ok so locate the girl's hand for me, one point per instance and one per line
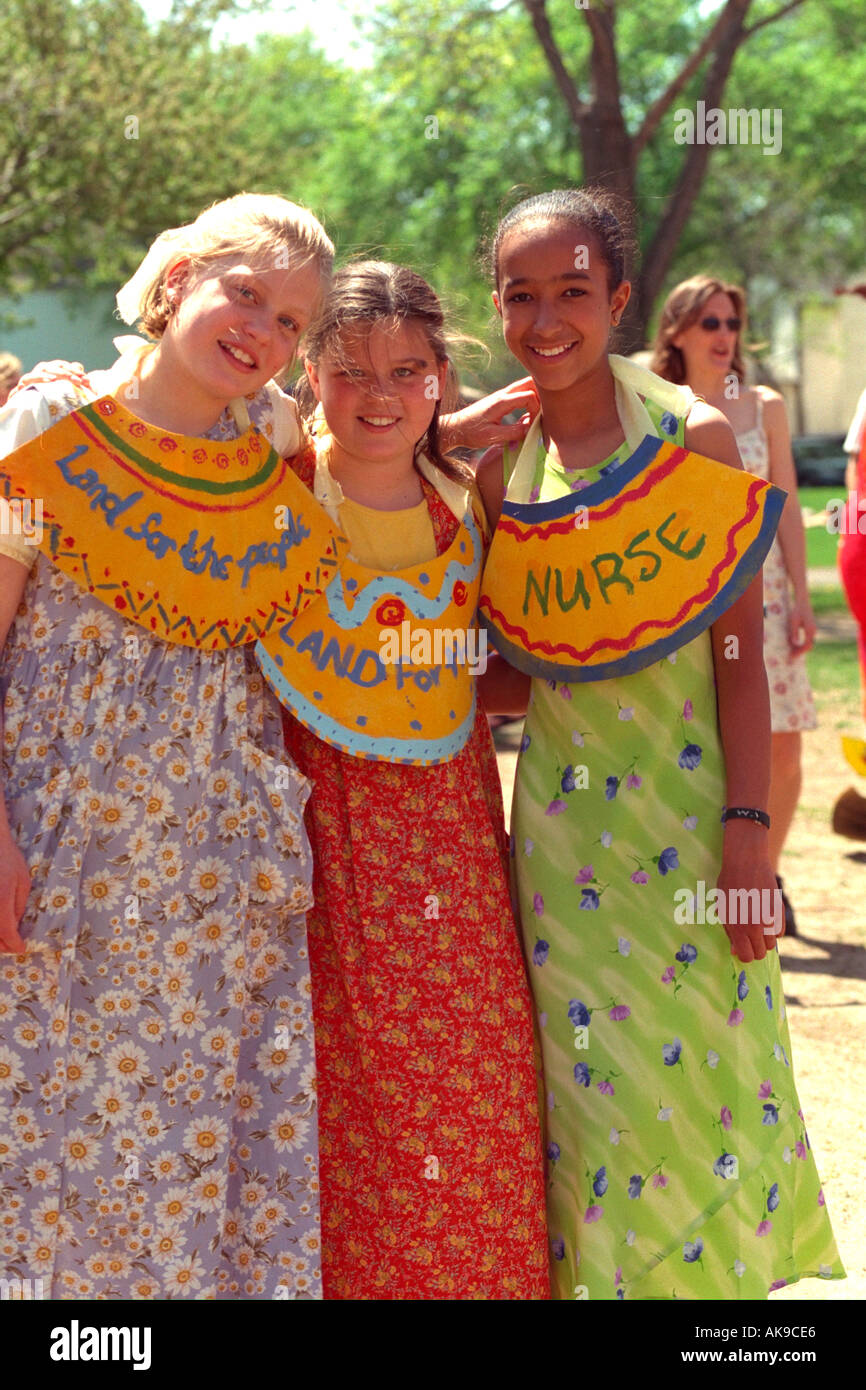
(14, 890)
(55, 370)
(801, 627)
(480, 425)
(750, 886)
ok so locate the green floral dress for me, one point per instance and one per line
(679, 1165)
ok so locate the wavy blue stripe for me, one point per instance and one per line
(602, 490)
(393, 587)
(747, 567)
(358, 745)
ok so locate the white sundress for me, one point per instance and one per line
(792, 707)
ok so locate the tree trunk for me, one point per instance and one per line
(667, 234)
(605, 145)
(610, 155)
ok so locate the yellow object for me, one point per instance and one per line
(388, 540)
(380, 665)
(855, 753)
(609, 579)
(201, 543)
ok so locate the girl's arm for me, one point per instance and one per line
(14, 876)
(490, 482)
(853, 442)
(744, 722)
(792, 537)
(23, 418)
(851, 473)
(503, 689)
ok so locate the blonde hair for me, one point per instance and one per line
(10, 371)
(260, 225)
(682, 308)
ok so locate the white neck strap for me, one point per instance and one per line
(631, 384)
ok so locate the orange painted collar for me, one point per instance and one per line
(201, 543)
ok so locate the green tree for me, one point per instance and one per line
(113, 128)
(108, 131)
(543, 92)
(311, 131)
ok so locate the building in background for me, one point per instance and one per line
(832, 362)
(53, 323)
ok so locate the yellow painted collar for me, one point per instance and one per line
(208, 544)
(381, 665)
(605, 581)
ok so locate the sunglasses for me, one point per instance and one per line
(712, 325)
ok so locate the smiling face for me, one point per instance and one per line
(709, 349)
(236, 324)
(380, 393)
(556, 306)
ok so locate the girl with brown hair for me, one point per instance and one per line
(679, 1166)
(432, 1184)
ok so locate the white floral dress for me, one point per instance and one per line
(158, 1130)
(791, 704)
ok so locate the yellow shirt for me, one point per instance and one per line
(388, 540)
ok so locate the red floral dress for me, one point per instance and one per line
(431, 1169)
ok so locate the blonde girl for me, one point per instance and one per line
(158, 1131)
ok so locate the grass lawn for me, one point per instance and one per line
(821, 544)
(835, 670)
(833, 665)
(828, 602)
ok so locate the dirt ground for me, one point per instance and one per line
(824, 972)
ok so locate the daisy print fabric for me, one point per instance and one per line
(158, 1133)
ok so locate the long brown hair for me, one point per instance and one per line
(682, 308)
(377, 293)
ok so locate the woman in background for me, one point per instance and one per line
(699, 343)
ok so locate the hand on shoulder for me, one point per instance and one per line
(45, 373)
(481, 424)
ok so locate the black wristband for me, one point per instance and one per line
(745, 813)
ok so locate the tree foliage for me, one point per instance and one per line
(111, 129)
(551, 93)
(414, 157)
